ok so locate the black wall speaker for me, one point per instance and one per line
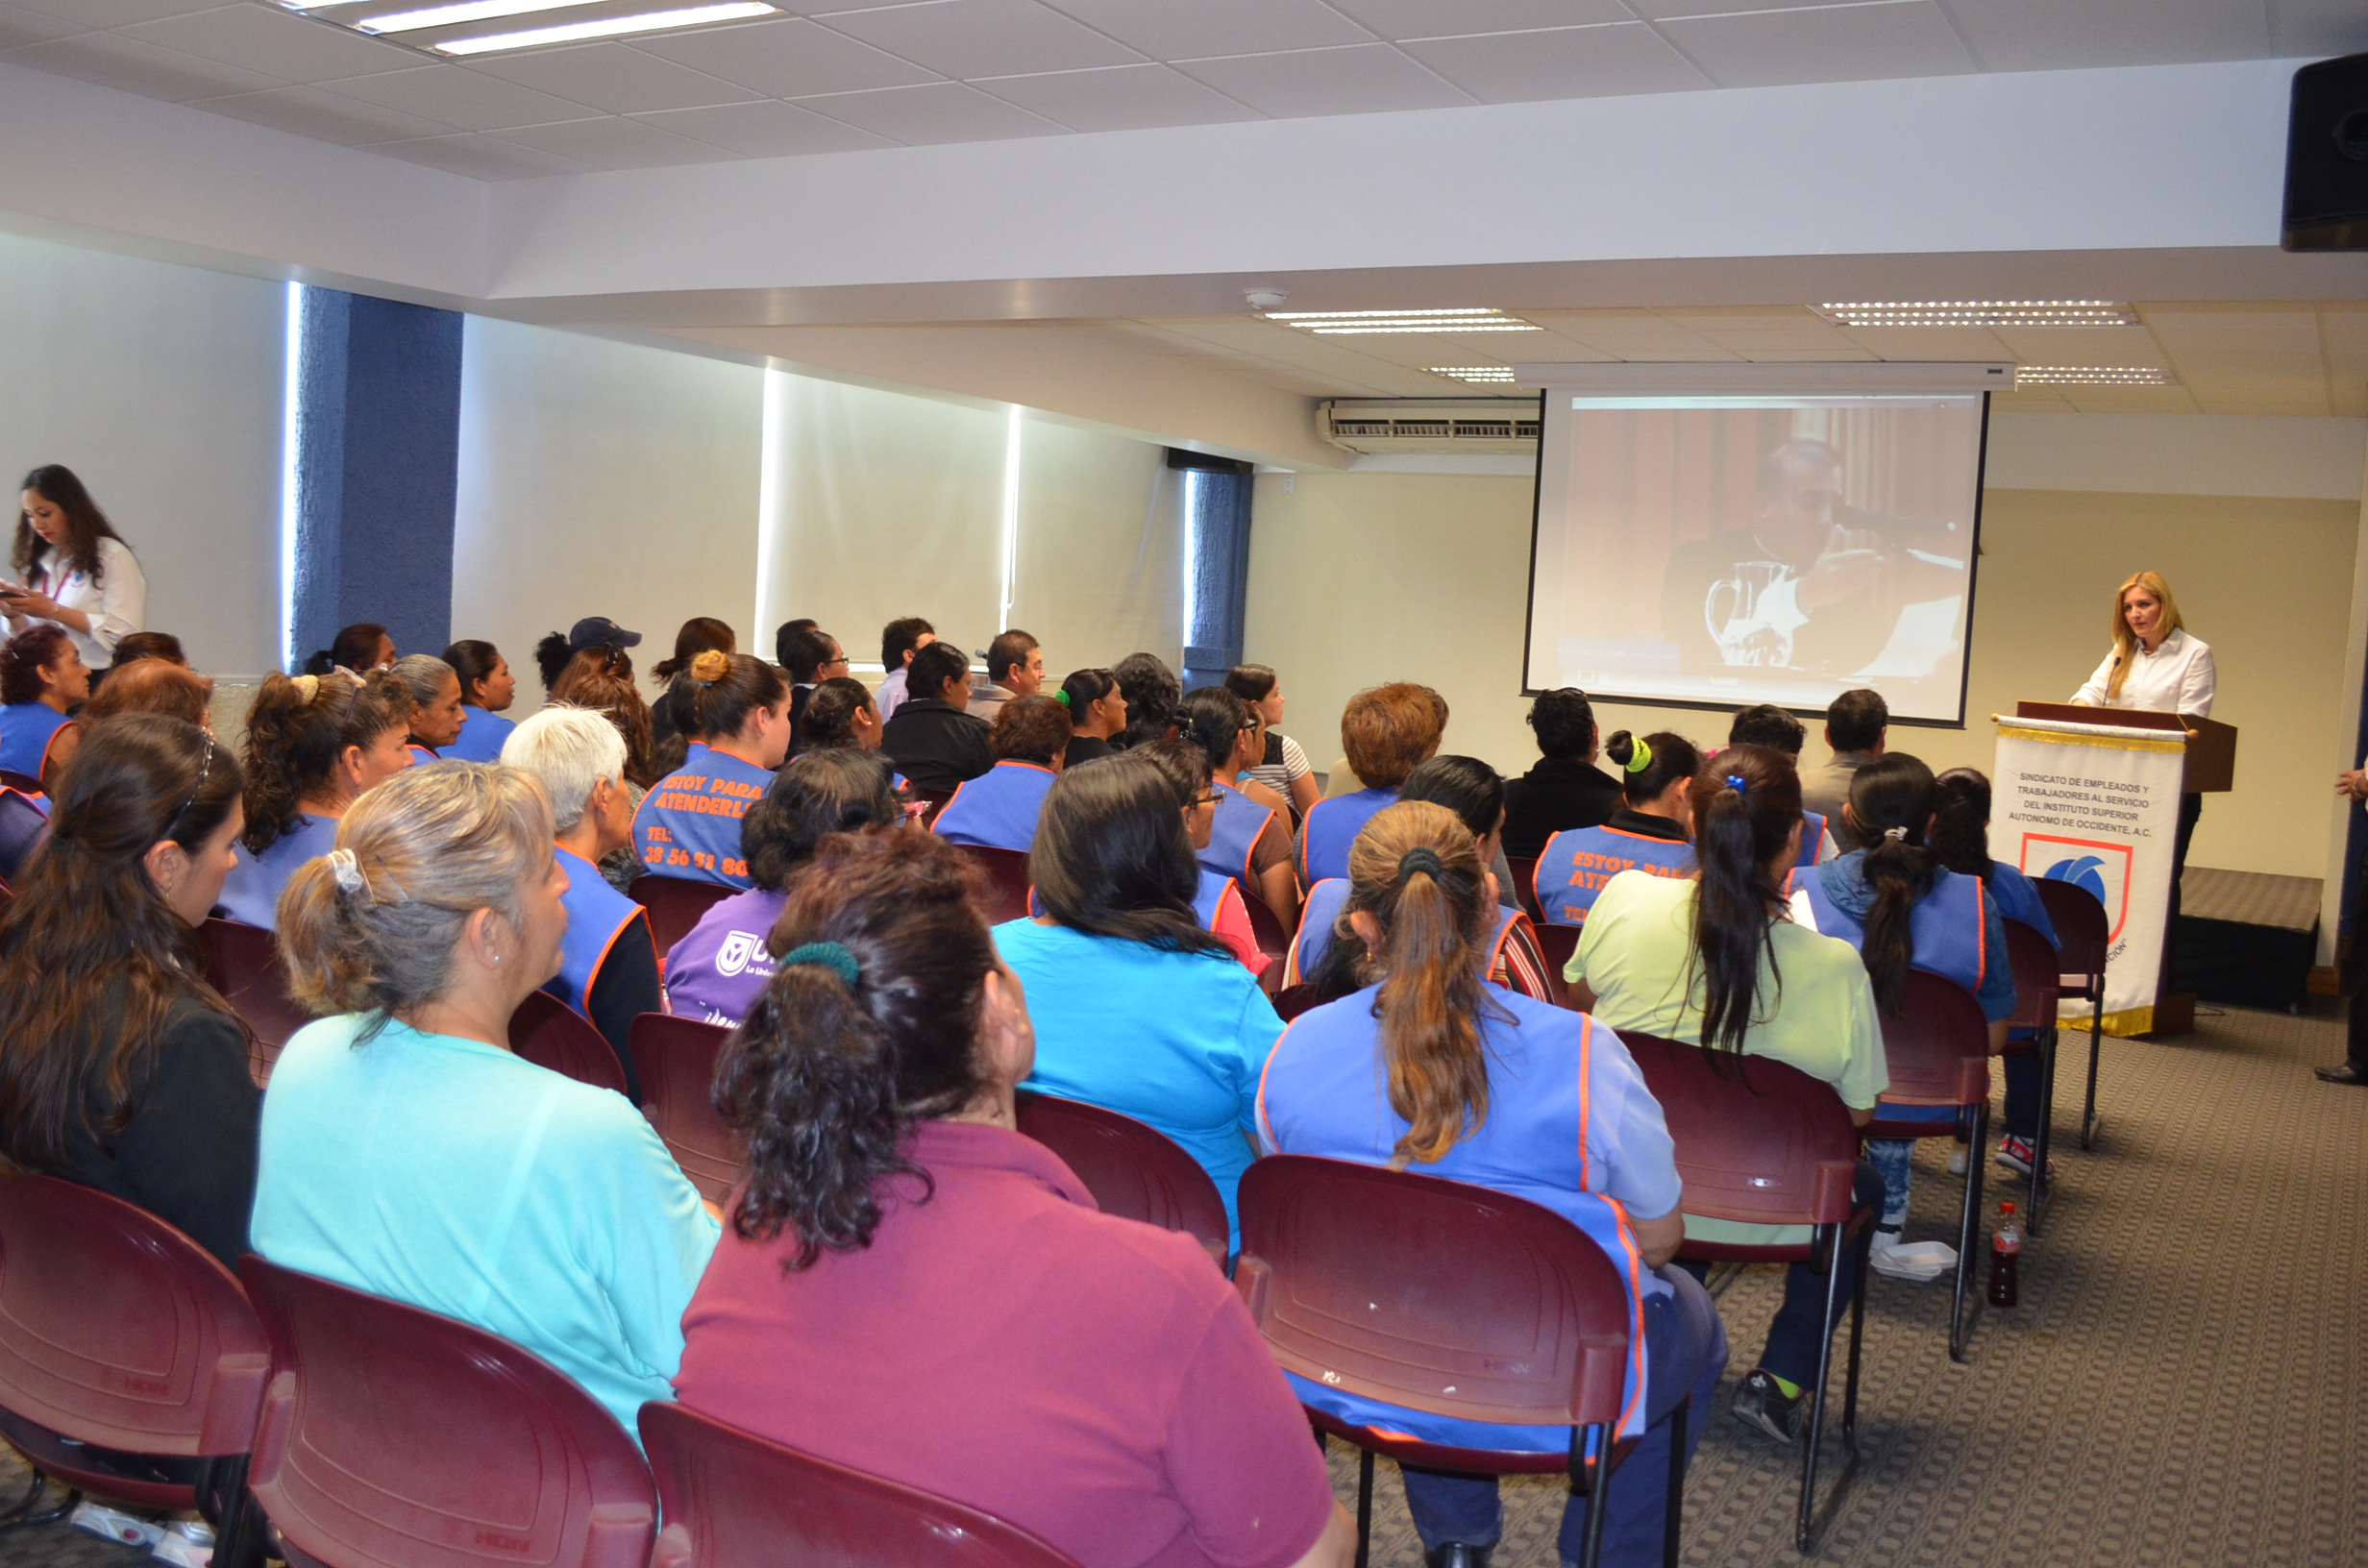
(2326, 157)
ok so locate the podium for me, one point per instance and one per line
(2091, 797)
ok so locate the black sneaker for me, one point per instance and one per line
(1759, 1404)
(1457, 1554)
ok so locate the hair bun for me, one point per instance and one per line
(710, 666)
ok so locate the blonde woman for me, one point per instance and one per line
(2156, 663)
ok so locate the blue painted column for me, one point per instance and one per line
(377, 465)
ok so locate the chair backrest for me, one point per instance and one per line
(2037, 972)
(1292, 1001)
(117, 1330)
(2081, 930)
(22, 828)
(1266, 926)
(1937, 1047)
(396, 1438)
(932, 801)
(22, 783)
(1758, 1141)
(1525, 884)
(675, 904)
(675, 1059)
(551, 1034)
(243, 963)
(733, 1500)
(1447, 1297)
(1557, 943)
(1007, 880)
(1131, 1169)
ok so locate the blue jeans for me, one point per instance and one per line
(1685, 1353)
(1793, 1339)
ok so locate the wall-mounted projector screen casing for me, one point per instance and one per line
(1725, 550)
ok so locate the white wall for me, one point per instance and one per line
(2179, 455)
(160, 385)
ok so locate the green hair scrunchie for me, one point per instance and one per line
(1061, 697)
(829, 955)
(1640, 758)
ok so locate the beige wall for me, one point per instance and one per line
(1362, 577)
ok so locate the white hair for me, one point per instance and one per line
(569, 749)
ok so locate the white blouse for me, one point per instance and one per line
(117, 604)
(2177, 678)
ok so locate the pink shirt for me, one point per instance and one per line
(1089, 1379)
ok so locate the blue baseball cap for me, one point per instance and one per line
(599, 631)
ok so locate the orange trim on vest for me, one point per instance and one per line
(51, 744)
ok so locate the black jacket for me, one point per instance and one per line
(936, 745)
(1557, 793)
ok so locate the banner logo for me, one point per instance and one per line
(2102, 869)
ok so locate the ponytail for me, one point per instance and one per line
(1649, 764)
(1890, 806)
(1961, 822)
(1746, 801)
(711, 698)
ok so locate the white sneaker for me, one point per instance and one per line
(1922, 1262)
(1957, 1160)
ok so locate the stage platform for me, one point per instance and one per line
(2246, 937)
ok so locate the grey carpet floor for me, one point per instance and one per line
(2183, 1384)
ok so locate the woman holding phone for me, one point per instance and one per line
(70, 567)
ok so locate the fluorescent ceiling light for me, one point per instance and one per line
(608, 27)
(1364, 323)
(467, 11)
(1492, 375)
(1981, 313)
(2092, 376)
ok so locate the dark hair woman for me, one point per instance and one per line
(1220, 904)
(316, 745)
(1097, 711)
(735, 712)
(360, 649)
(42, 679)
(998, 808)
(1151, 692)
(932, 737)
(1282, 766)
(121, 1067)
(487, 689)
(151, 645)
(894, 1224)
(1251, 840)
(718, 970)
(700, 634)
(1563, 789)
(1648, 833)
(1139, 1007)
(1435, 1068)
(437, 714)
(74, 571)
(1717, 960)
(841, 713)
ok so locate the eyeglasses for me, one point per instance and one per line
(1211, 799)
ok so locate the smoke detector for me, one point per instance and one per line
(1266, 299)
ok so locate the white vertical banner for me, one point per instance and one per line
(2097, 806)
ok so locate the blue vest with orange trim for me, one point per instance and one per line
(1234, 834)
(596, 915)
(1812, 837)
(689, 826)
(1323, 911)
(1322, 1095)
(998, 808)
(421, 756)
(1332, 826)
(1947, 928)
(27, 731)
(482, 735)
(1579, 861)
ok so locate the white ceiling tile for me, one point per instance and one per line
(113, 61)
(2134, 400)
(616, 144)
(1853, 43)
(938, 112)
(1118, 98)
(2300, 28)
(983, 38)
(766, 130)
(103, 13)
(1657, 9)
(1450, 18)
(1362, 79)
(322, 114)
(1563, 62)
(2079, 344)
(18, 28)
(2054, 35)
(266, 38)
(612, 77)
(787, 58)
(458, 96)
(1970, 345)
(480, 157)
(1186, 29)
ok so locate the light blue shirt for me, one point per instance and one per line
(251, 892)
(480, 738)
(1174, 1040)
(450, 1174)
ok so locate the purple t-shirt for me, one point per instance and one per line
(716, 973)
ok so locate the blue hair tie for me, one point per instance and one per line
(829, 955)
(1742, 786)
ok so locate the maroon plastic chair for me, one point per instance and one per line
(2036, 975)
(22, 828)
(1265, 928)
(932, 801)
(1558, 943)
(2084, 939)
(1007, 880)
(394, 1438)
(1525, 886)
(119, 1333)
(551, 1034)
(675, 1059)
(1292, 1001)
(732, 1500)
(1938, 1050)
(1762, 1142)
(21, 783)
(1448, 1298)
(1132, 1171)
(243, 963)
(675, 904)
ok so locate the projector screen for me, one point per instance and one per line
(1721, 552)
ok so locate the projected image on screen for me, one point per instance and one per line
(1755, 549)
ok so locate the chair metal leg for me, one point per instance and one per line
(1810, 1529)
(2042, 1189)
(1968, 1232)
(1365, 1506)
(1590, 1540)
(2096, 1041)
(1673, 1525)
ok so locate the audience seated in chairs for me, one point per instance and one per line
(999, 807)
(1437, 1070)
(1250, 838)
(912, 1289)
(607, 961)
(1097, 712)
(1281, 766)
(361, 649)
(735, 710)
(841, 713)
(134, 645)
(487, 689)
(407, 1152)
(1219, 905)
(1646, 833)
(1563, 789)
(1151, 692)
(314, 744)
(120, 1067)
(437, 714)
(932, 736)
(1388, 732)
(42, 680)
(718, 970)
(1138, 1008)
(152, 685)
(700, 634)
(1764, 724)
(1716, 960)
(602, 679)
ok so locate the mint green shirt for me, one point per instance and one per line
(1635, 955)
(451, 1175)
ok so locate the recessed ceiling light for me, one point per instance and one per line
(1981, 313)
(452, 15)
(2092, 376)
(607, 27)
(1489, 375)
(1362, 323)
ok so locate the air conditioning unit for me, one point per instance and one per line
(1473, 424)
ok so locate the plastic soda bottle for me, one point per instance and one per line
(2005, 1259)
